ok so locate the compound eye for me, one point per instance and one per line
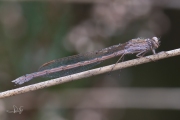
(156, 42)
(155, 39)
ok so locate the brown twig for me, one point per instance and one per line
(89, 73)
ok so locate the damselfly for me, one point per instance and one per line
(81, 62)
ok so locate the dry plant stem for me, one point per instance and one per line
(89, 73)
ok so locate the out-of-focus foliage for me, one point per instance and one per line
(32, 33)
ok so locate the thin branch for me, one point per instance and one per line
(89, 73)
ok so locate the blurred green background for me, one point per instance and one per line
(32, 33)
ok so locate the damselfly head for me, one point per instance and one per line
(156, 42)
